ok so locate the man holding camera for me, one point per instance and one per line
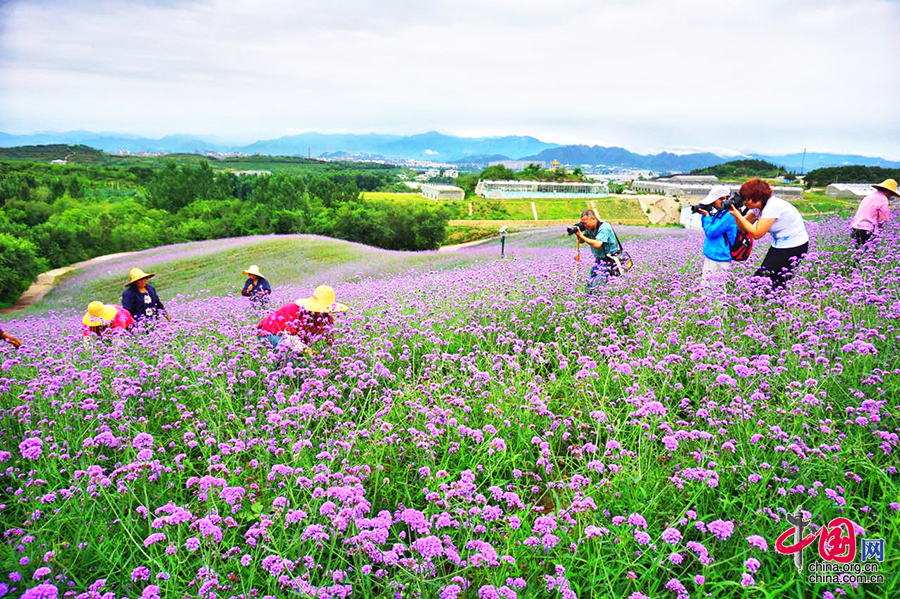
(602, 240)
(720, 228)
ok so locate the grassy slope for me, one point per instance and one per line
(215, 267)
(294, 261)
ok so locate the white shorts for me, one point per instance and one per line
(714, 272)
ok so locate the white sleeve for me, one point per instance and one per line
(773, 210)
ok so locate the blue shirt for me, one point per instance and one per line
(260, 291)
(721, 230)
(605, 234)
(142, 305)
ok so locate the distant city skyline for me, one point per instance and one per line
(647, 75)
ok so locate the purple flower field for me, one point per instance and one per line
(485, 431)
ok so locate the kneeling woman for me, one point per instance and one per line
(303, 322)
(782, 221)
(101, 317)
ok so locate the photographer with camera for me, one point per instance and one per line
(782, 221)
(602, 240)
(720, 228)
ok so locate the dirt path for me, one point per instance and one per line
(458, 246)
(46, 280)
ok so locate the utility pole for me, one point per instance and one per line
(803, 162)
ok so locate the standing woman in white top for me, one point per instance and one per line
(783, 222)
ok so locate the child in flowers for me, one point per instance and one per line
(721, 230)
(602, 240)
(299, 324)
(101, 317)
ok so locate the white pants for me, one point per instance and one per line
(714, 273)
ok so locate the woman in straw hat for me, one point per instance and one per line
(101, 317)
(140, 298)
(256, 287)
(873, 211)
(303, 322)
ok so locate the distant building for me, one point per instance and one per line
(499, 190)
(674, 188)
(518, 165)
(58, 161)
(442, 192)
(432, 172)
(689, 220)
(450, 173)
(849, 190)
(692, 179)
(554, 164)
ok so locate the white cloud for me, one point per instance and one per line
(765, 76)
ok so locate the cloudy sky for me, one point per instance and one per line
(770, 76)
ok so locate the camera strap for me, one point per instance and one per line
(616, 235)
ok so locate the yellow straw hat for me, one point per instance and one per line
(322, 300)
(136, 274)
(253, 270)
(888, 185)
(99, 314)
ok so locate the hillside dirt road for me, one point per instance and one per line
(46, 280)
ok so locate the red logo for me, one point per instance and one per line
(833, 545)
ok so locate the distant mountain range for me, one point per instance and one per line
(664, 162)
(432, 146)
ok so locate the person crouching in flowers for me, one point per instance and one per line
(10, 339)
(256, 287)
(140, 298)
(874, 210)
(102, 317)
(602, 240)
(301, 323)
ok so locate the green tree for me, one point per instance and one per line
(76, 187)
(497, 172)
(533, 172)
(174, 187)
(19, 266)
(821, 177)
(28, 213)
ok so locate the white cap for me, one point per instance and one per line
(718, 191)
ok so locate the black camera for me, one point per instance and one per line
(698, 207)
(734, 199)
(579, 226)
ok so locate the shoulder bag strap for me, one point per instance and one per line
(621, 247)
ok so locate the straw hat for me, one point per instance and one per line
(888, 185)
(99, 314)
(322, 300)
(136, 274)
(253, 270)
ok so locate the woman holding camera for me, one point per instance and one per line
(782, 221)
